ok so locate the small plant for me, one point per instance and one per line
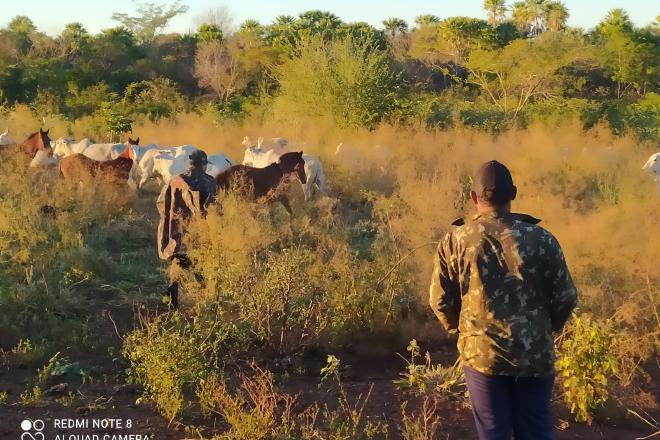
(421, 425)
(31, 397)
(331, 369)
(584, 364)
(3, 397)
(76, 276)
(421, 377)
(61, 366)
(414, 376)
(67, 400)
(255, 411)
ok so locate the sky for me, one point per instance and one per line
(51, 16)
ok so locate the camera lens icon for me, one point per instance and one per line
(37, 425)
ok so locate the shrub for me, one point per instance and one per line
(292, 290)
(643, 118)
(484, 117)
(585, 361)
(169, 352)
(351, 81)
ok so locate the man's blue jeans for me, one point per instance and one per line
(506, 406)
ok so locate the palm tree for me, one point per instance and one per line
(618, 18)
(520, 16)
(496, 11)
(426, 19)
(395, 26)
(555, 14)
(284, 20)
(535, 11)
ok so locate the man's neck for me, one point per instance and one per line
(489, 209)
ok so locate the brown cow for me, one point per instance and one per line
(37, 141)
(265, 184)
(79, 166)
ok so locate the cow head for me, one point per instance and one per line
(652, 165)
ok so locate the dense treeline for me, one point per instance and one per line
(521, 65)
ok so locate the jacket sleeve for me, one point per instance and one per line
(445, 292)
(561, 292)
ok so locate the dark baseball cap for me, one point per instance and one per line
(198, 157)
(493, 183)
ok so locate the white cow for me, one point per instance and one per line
(258, 158)
(104, 152)
(154, 163)
(217, 164)
(64, 147)
(279, 144)
(5, 139)
(42, 159)
(652, 166)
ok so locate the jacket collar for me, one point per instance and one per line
(526, 218)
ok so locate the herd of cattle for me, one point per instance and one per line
(137, 165)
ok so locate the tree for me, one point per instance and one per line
(110, 55)
(395, 26)
(616, 19)
(629, 56)
(426, 20)
(318, 22)
(116, 122)
(252, 26)
(496, 11)
(151, 19)
(22, 29)
(515, 75)
(348, 80)
(209, 32)
(218, 66)
(363, 32)
(220, 17)
(74, 39)
(529, 16)
(21, 25)
(555, 15)
(155, 98)
(451, 40)
(520, 16)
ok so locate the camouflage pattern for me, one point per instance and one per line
(502, 283)
(187, 195)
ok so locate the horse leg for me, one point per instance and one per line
(307, 190)
(284, 200)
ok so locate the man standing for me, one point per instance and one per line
(501, 282)
(186, 196)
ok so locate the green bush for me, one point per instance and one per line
(643, 118)
(584, 364)
(350, 81)
(169, 352)
(484, 117)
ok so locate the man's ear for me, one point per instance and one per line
(514, 192)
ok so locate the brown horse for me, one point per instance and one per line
(133, 141)
(37, 141)
(266, 184)
(78, 166)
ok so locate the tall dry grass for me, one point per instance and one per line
(586, 186)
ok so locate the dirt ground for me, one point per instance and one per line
(108, 397)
